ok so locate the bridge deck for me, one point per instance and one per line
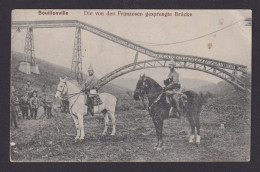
(127, 43)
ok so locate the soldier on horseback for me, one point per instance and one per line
(89, 97)
(173, 89)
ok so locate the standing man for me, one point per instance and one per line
(14, 107)
(91, 79)
(25, 105)
(34, 102)
(172, 90)
(44, 103)
(49, 104)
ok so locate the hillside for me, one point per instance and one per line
(50, 74)
(197, 85)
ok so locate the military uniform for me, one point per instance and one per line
(34, 102)
(90, 80)
(173, 89)
(44, 104)
(24, 104)
(14, 108)
(49, 107)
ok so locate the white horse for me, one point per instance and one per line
(78, 107)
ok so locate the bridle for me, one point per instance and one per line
(65, 94)
(63, 88)
(142, 92)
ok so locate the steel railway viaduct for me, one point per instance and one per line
(229, 72)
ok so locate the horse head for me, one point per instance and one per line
(62, 88)
(142, 87)
(145, 86)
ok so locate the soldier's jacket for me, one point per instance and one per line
(44, 101)
(90, 80)
(174, 76)
(174, 86)
(34, 102)
(29, 91)
(24, 102)
(15, 103)
(49, 103)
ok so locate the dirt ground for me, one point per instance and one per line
(53, 139)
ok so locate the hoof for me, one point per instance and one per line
(76, 139)
(191, 140)
(155, 147)
(104, 134)
(112, 134)
(159, 148)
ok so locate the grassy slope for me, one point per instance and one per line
(46, 140)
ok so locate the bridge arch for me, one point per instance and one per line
(219, 72)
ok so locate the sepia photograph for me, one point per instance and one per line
(131, 85)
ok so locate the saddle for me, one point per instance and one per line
(94, 97)
(96, 100)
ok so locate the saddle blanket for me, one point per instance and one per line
(96, 100)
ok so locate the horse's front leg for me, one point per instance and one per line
(81, 126)
(158, 123)
(76, 121)
(160, 131)
(192, 126)
(156, 130)
(106, 119)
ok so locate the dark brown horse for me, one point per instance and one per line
(158, 107)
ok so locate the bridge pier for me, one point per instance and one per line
(29, 65)
(76, 66)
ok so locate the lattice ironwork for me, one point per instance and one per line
(127, 43)
(29, 53)
(76, 65)
(223, 74)
(226, 71)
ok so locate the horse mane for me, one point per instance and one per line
(154, 83)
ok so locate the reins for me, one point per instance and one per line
(155, 101)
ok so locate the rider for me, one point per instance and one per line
(173, 88)
(91, 79)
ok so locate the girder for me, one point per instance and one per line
(223, 74)
(127, 43)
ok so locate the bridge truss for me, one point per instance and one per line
(223, 74)
(224, 70)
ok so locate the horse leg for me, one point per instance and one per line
(160, 130)
(81, 126)
(183, 129)
(156, 130)
(158, 123)
(113, 119)
(192, 126)
(197, 124)
(77, 127)
(106, 119)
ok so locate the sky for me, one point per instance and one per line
(55, 45)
